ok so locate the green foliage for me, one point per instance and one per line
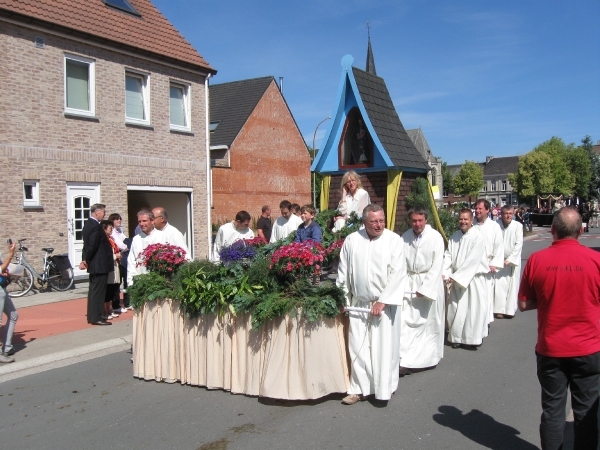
(594, 184)
(448, 178)
(553, 167)
(469, 180)
(149, 287)
(449, 222)
(419, 195)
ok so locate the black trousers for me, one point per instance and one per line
(581, 375)
(96, 296)
(116, 300)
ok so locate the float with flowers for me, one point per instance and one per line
(264, 321)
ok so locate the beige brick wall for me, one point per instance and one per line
(38, 141)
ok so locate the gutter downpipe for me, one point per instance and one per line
(208, 170)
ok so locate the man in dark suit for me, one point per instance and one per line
(97, 258)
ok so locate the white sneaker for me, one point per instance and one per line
(123, 310)
(6, 359)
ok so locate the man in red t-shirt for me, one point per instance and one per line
(563, 283)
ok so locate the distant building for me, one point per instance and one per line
(435, 174)
(258, 155)
(497, 189)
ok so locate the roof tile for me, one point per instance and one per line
(152, 32)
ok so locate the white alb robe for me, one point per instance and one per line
(466, 263)
(352, 203)
(227, 235)
(422, 324)
(283, 227)
(370, 271)
(174, 237)
(508, 279)
(494, 249)
(138, 244)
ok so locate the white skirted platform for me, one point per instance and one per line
(287, 358)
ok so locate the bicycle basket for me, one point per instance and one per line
(62, 262)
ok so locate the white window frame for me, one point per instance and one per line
(145, 77)
(186, 103)
(91, 86)
(504, 185)
(493, 188)
(35, 201)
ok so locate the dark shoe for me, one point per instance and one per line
(468, 347)
(10, 352)
(405, 371)
(101, 322)
(455, 345)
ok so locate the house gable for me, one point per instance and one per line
(392, 148)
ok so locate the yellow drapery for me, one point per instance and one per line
(436, 218)
(325, 183)
(393, 187)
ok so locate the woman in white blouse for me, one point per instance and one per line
(354, 199)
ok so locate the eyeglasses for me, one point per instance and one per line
(375, 222)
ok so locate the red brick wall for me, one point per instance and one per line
(269, 163)
(375, 183)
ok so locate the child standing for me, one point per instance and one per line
(309, 230)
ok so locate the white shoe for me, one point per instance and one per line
(6, 359)
(112, 316)
(123, 310)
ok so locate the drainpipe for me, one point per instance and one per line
(208, 168)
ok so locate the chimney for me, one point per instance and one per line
(281, 85)
(488, 159)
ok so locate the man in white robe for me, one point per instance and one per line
(422, 324)
(286, 224)
(231, 232)
(494, 249)
(508, 278)
(172, 234)
(465, 269)
(372, 273)
(147, 236)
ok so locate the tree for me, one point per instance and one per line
(448, 178)
(533, 175)
(553, 167)
(469, 179)
(594, 185)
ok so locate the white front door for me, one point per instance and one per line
(79, 197)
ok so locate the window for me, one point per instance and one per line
(485, 186)
(445, 193)
(180, 107)
(493, 185)
(31, 193)
(137, 98)
(503, 185)
(79, 86)
(123, 5)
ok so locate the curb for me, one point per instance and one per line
(32, 366)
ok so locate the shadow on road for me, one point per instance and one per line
(482, 428)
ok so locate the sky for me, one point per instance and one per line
(480, 78)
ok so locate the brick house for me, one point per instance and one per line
(258, 155)
(367, 136)
(101, 101)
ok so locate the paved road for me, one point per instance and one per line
(483, 399)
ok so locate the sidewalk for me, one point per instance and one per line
(52, 331)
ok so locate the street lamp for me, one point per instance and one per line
(314, 188)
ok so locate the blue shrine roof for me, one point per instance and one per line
(392, 147)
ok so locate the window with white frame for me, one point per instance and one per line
(493, 185)
(180, 107)
(137, 98)
(80, 95)
(31, 192)
(485, 186)
(503, 185)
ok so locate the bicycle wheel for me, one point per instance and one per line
(61, 280)
(20, 285)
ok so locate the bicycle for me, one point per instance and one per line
(58, 276)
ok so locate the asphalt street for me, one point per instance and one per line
(488, 398)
